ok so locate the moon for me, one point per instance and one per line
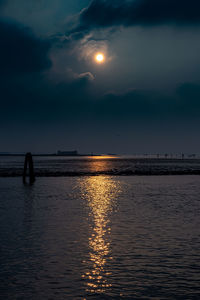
(99, 58)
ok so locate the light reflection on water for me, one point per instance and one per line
(100, 193)
(100, 238)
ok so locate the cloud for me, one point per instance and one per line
(2, 2)
(35, 99)
(183, 103)
(27, 93)
(69, 95)
(86, 75)
(89, 46)
(109, 13)
(21, 51)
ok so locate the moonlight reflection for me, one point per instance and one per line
(100, 195)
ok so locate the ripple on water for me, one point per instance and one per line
(100, 237)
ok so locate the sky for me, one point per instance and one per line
(144, 98)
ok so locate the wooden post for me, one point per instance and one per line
(29, 162)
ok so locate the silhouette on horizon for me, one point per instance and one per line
(28, 163)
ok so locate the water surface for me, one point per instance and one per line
(100, 237)
(53, 166)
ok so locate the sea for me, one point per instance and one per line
(100, 228)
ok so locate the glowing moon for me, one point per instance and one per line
(99, 57)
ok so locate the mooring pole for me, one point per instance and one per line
(29, 162)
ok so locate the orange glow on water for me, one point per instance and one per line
(100, 196)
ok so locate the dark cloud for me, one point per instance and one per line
(2, 2)
(27, 93)
(109, 13)
(20, 50)
(152, 105)
(35, 99)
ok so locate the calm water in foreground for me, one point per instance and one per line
(100, 237)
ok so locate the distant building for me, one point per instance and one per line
(67, 153)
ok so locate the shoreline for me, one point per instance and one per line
(108, 173)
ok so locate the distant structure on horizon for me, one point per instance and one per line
(67, 153)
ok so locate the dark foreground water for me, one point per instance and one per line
(100, 237)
